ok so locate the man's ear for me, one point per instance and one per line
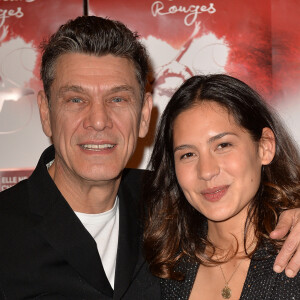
(267, 146)
(145, 115)
(44, 110)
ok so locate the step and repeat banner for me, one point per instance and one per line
(256, 41)
(23, 25)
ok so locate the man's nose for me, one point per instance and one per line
(98, 117)
(207, 167)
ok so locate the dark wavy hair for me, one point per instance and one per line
(173, 228)
(94, 36)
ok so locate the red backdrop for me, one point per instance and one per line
(256, 41)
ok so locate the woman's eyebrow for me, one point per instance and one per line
(211, 140)
(219, 136)
(181, 147)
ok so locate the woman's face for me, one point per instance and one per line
(218, 165)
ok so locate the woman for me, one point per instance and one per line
(224, 170)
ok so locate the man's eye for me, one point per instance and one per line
(117, 99)
(76, 100)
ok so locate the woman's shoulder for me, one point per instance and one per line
(263, 283)
(174, 289)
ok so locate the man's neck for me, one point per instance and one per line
(83, 195)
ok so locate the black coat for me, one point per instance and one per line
(46, 253)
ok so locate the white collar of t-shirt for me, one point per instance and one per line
(104, 228)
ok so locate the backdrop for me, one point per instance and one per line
(256, 41)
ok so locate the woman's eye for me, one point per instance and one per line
(187, 155)
(223, 145)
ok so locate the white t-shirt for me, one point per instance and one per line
(104, 228)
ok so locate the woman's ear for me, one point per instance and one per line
(267, 146)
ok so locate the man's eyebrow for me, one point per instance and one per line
(211, 140)
(70, 88)
(79, 89)
(121, 88)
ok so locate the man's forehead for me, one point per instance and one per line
(81, 57)
(75, 70)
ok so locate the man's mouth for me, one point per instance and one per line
(97, 147)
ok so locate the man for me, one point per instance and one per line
(72, 230)
(57, 225)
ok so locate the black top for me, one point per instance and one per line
(261, 283)
(46, 252)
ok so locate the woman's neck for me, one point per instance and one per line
(228, 236)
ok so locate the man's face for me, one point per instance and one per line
(95, 115)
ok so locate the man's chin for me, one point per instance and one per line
(102, 176)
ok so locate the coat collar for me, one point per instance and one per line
(65, 233)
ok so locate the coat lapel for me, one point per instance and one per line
(129, 258)
(63, 230)
(66, 234)
(261, 276)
